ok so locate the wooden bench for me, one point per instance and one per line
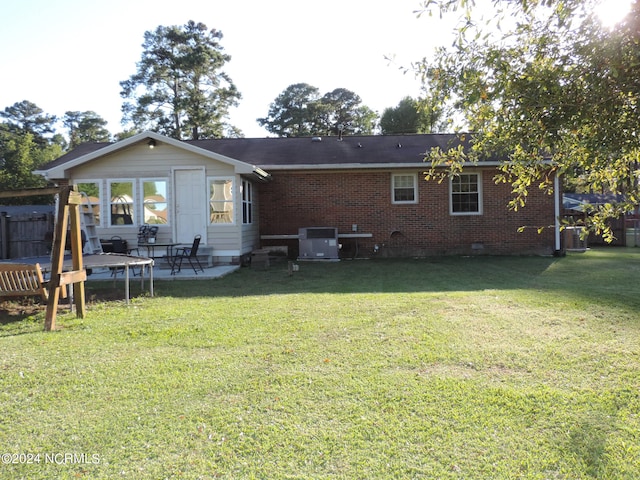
(21, 280)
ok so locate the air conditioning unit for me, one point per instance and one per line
(318, 243)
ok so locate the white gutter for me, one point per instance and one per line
(369, 166)
(558, 199)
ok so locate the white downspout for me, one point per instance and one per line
(558, 198)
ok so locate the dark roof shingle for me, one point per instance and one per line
(79, 151)
(350, 150)
(280, 152)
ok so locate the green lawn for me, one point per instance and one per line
(474, 368)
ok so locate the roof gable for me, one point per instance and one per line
(91, 151)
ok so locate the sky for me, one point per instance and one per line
(71, 55)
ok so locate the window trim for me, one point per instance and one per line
(246, 189)
(166, 198)
(393, 188)
(232, 179)
(134, 188)
(479, 192)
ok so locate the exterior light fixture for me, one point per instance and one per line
(151, 143)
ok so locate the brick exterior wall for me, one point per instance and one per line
(340, 199)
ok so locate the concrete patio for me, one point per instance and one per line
(159, 274)
(164, 273)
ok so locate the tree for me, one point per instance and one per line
(549, 90)
(26, 117)
(423, 115)
(294, 113)
(27, 141)
(404, 118)
(433, 115)
(20, 154)
(341, 111)
(85, 127)
(300, 111)
(180, 89)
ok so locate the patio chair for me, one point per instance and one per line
(120, 246)
(146, 236)
(187, 253)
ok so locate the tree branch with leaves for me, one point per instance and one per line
(544, 85)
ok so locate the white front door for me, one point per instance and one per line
(190, 204)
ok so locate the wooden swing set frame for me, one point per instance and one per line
(21, 281)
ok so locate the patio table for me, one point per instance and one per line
(151, 248)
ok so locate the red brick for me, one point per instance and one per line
(296, 199)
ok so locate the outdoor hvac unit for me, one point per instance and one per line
(318, 243)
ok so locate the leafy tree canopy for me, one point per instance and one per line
(294, 112)
(341, 110)
(26, 117)
(180, 89)
(85, 127)
(545, 83)
(300, 111)
(413, 116)
(27, 141)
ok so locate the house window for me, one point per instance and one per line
(121, 195)
(91, 199)
(221, 200)
(247, 203)
(466, 194)
(403, 188)
(154, 206)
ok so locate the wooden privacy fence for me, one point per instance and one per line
(25, 235)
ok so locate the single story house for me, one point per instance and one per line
(244, 194)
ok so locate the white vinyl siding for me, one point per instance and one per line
(139, 164)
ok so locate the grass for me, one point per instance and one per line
(495, 368)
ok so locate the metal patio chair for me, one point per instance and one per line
(187, 253)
